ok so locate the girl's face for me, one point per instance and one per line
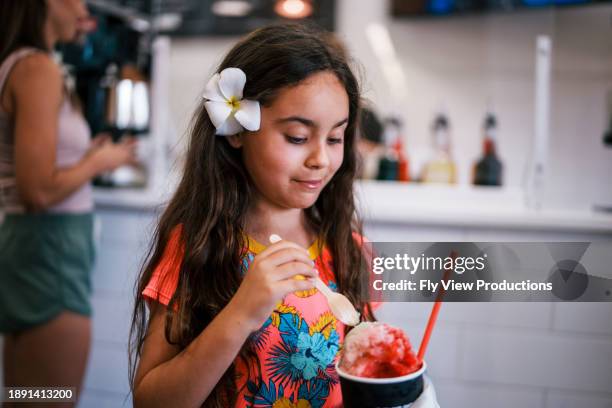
(63, 18)
(299, 146)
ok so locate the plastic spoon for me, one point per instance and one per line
(339, 304)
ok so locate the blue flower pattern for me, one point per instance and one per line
(301, 365)
(314, 353)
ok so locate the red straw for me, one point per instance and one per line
(434, 314)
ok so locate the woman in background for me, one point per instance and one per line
(47, 161)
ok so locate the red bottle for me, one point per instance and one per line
(403, 169)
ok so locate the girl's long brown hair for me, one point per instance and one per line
(215, 194)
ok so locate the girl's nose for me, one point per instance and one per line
(318, 157)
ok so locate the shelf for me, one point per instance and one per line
(468, 206)
(408, 203)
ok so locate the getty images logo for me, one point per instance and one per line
(413, 264)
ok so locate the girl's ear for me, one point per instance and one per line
(235, 140)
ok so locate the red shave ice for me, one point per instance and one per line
(378, 350)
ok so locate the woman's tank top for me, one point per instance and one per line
(73, 140)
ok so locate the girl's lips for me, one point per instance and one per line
(310, 184)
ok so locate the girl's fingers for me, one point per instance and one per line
(289, 255)
(291, 269)
(293, 285)
(278, 246)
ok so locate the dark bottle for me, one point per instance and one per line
(389, 166)
(488, 170)
(395, 148)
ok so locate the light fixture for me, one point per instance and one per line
(231, 8)
(294, 9)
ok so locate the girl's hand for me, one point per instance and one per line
(106, 155)
(270, 277)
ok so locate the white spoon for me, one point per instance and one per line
(339, 305)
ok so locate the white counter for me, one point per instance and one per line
(469, 206)
(129, 199)
(416, 204)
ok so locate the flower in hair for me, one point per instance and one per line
(227, 110)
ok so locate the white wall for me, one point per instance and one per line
(192, 63)
(464, 62)
(545, 355)
(482, 355)
(125, 237)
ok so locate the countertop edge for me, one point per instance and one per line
(504, 211)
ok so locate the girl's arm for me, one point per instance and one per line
(35, 91)
(167, 377)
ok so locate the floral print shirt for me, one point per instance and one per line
(297, 346)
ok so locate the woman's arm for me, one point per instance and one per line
(36, 94)
(166, 377)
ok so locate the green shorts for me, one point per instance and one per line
(45, 268)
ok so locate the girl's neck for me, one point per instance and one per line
(290, 224)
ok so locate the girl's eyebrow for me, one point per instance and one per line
(308, 122)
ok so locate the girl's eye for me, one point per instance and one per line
(295, 139)
(334, 140)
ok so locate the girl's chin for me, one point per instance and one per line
(303, 205)
(302, 202)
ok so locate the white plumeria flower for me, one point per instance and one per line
(227, 110)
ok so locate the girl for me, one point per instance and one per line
(234, 322)
(46, 164)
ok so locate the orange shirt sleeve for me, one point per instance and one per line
(164, 279)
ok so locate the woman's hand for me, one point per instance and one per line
(107, 155)
(270, 277)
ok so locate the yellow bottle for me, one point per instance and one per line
(441, 168)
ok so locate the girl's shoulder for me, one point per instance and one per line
(165, 276)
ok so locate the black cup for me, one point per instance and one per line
(365, 392)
